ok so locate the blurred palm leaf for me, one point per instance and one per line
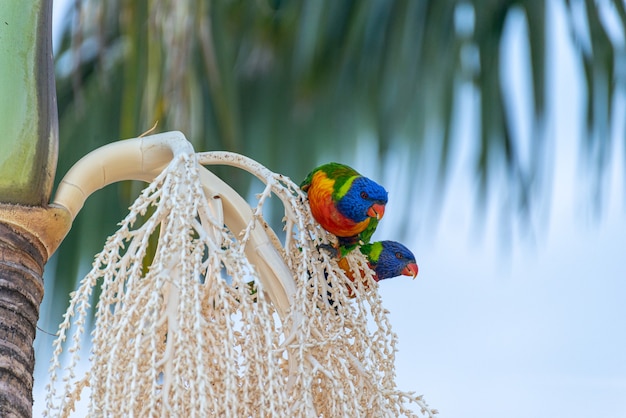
(287, 82)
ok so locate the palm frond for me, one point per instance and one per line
(288, 82)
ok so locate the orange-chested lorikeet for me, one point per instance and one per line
(387, 258)
(345, 203)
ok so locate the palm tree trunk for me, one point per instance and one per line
(22, 257)
(28, 118)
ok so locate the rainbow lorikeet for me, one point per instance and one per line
(345, 203)
(387, 258)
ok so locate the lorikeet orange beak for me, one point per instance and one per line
(410, 270)
(377, 210)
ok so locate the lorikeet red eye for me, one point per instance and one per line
(399, 256)
(364, 195)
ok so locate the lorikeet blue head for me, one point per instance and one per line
(363, 199)
(390, 259)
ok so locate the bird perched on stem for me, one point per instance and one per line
(387, 258)
(345, 203)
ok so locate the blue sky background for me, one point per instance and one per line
(531, 329)
(537, 329)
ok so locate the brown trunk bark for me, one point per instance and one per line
(21, 290)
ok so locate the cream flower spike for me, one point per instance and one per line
(145, 158)
(181, 333)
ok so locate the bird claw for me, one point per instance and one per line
(332, 250)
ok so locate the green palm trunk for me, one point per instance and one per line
(28, 154)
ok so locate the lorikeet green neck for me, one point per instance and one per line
(372, 251)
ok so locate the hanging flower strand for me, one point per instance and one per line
(187, 336)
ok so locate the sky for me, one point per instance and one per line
(534, 329)
(529, 328)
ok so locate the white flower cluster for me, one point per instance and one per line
(223, 318)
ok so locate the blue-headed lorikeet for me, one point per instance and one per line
(345, 203)
(387, 258)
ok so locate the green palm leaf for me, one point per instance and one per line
(288, 83)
